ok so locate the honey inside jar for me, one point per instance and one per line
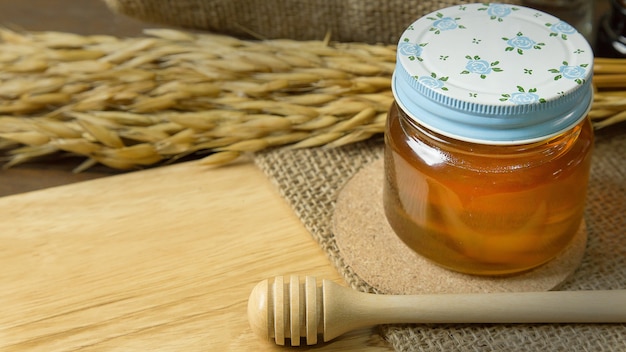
(484, 209)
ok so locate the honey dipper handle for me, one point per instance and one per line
(345, 309)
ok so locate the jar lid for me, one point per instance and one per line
(493, 73)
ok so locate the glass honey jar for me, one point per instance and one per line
(488, 145)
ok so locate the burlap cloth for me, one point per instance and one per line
(310, 179)
(367, 21)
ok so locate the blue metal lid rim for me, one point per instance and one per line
(527, 126)
(566, 99)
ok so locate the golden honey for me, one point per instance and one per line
(484, 209)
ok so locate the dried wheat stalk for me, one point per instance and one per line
(609, 106)
(133, 102)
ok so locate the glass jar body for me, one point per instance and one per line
(484, 209)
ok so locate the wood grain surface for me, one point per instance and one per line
(156, 260)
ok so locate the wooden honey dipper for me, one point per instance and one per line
(293, 310)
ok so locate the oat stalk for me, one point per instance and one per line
(134, 102)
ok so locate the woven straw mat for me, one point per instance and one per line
(367, 21)
(310, 179)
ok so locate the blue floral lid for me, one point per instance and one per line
(493, 73)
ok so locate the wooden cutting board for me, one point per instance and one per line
(162, 259)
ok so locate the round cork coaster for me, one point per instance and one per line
(370, 247)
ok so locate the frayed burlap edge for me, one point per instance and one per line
(312, 189)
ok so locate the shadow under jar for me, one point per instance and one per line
(488, 147)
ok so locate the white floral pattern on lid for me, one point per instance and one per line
(493, 73)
